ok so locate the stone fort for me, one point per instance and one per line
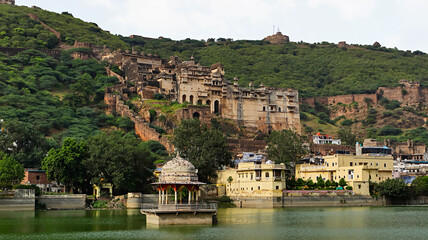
(259, 108)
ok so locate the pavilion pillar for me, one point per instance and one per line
(190, 197)
(197, 195)
(160, 200)
(163, 197)
(175, 191)
(166, 199)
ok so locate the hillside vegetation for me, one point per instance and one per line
(314, 69)
(18, 30)
(320, 69)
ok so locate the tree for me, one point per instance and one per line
(120, 159)
(310, 184)
(392, 188)
(205, 148)
(82, 92)
(65, 165)
(420, 186)
(320, 182)
(342, 182)
(24, 143)
(347, 137)
(286, 147)
(125, 123)
(328, 183)
(11, 171)
(300, 182)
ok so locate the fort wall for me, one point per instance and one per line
(142, 128)
(14, 51)
(35, 18)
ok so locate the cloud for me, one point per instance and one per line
(189, 18)
(349, 10)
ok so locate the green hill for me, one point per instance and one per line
(314, 69)
(321, 69)
(18, 30)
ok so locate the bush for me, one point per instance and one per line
(158, 96)
(225, 202)
(349, 188)
(392, 105)
(37, 189)
(389, 130)
(303, 116)
(347, 122)
(342, 182)
(309, 129)
(387, 114)
(99, 204)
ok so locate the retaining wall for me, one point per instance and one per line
(18, 200)
(63, 202)
(308, 201)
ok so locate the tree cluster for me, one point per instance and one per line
(320, 184)
(205, 148)
(108, 157)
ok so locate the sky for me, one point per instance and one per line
(393, 23)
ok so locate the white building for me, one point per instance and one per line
(325, 139)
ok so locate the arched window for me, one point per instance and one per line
(191, 99)
(279, 109)
(264, 108)
(184, 98)
(199, 102)
(267, 174)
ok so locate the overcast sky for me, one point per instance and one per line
(393, 23)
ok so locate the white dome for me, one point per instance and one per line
(178, 170)
(178, 164)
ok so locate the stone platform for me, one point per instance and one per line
(180, 214)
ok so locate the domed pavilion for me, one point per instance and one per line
(178, 174)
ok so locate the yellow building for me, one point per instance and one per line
(252, 180)
(357, 170)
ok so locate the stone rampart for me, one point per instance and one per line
(361, 99)
(13, 51)
(142, 128)
(113, 74)
(35, 18)
(411, 96)
(63, 202)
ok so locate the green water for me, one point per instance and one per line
(244, 224)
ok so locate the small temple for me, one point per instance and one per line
(181, 177)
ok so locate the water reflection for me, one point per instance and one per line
(246, 224)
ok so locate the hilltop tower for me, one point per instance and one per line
(277, 39)
(8, 2)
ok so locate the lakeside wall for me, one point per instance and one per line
(309, 201)
(63, 202)
(18, 200)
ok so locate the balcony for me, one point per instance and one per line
(278, 178)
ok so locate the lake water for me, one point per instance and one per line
(244, 224)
